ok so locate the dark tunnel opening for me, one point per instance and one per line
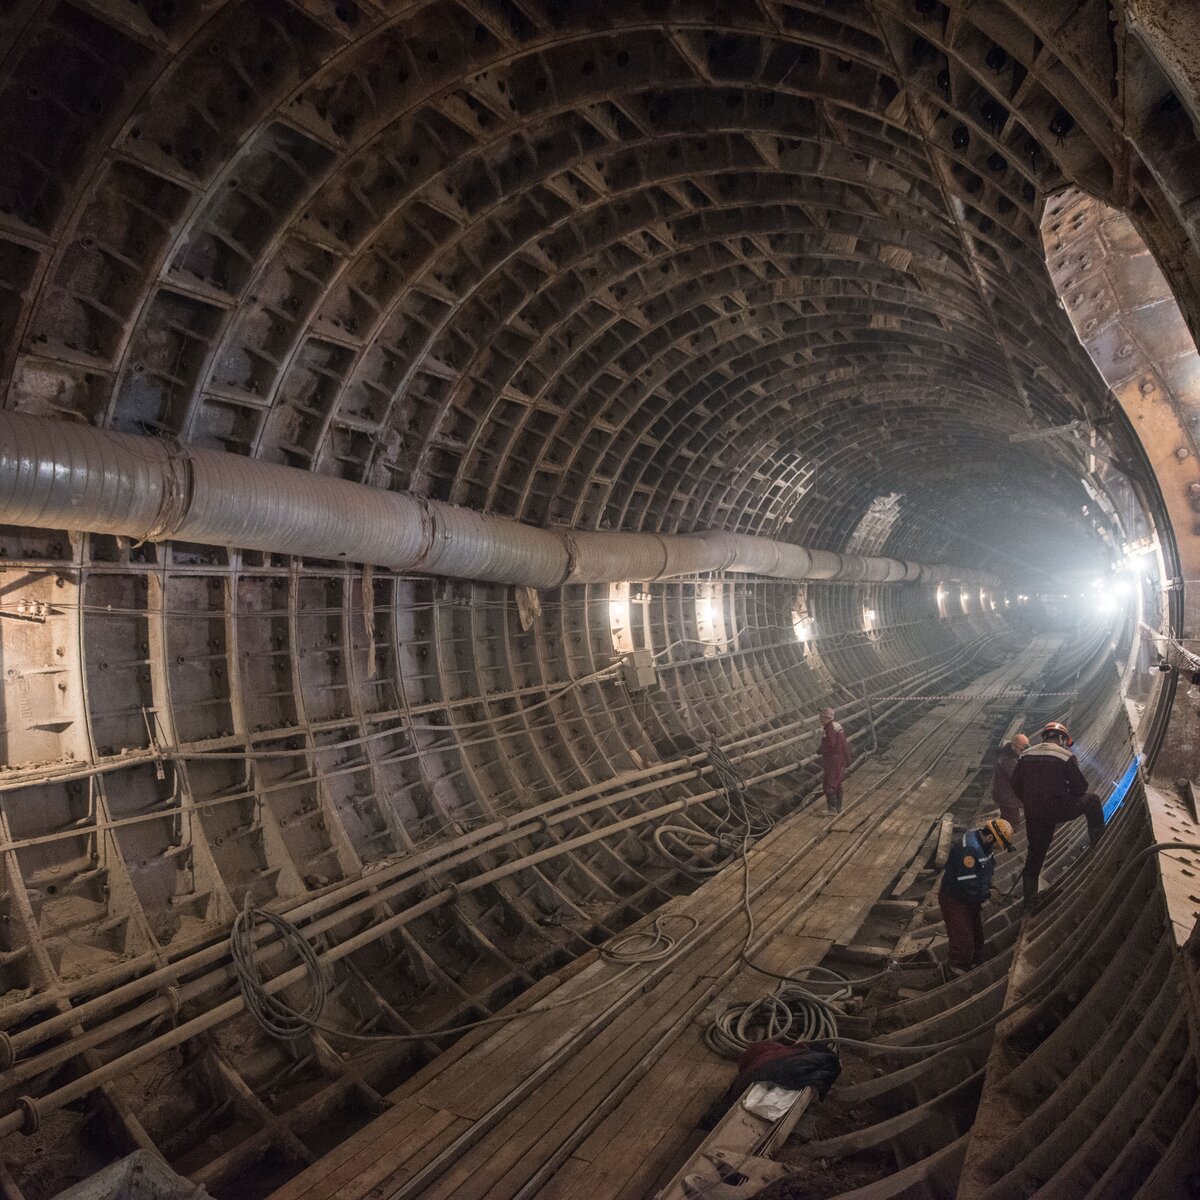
(453, 450)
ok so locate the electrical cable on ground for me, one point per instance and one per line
(277, 1018)
(792, 1012)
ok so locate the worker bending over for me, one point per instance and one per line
(1002, 794)
(966, 884)
(835, 758)
(1052, 789)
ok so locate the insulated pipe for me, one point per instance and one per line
(61, 475)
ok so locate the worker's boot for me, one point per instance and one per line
(1029, 892)
(1095, 825)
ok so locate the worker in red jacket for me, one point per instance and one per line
(835, 758)
(966, 884)
(1052, 789)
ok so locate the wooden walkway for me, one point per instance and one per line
(601, 1100)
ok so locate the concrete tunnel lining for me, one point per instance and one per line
(628, 270)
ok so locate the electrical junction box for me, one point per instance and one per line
(639, 672)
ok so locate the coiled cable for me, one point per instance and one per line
(277, 1018)
(790, 1013)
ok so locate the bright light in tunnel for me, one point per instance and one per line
(711, 617)
(1132, 555)
(802, 624)
(870, 617)
(620, 625)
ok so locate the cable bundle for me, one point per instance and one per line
(743, 821)
(791, 1013)
(280, 1020)
(751, 816)
(276, 1018)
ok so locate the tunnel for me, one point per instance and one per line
(451, 453)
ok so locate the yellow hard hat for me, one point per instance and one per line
(1001, 831)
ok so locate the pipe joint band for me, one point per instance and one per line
(31, 1115)
(178, 488)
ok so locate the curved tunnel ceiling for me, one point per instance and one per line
(746, 269)
(773, 268)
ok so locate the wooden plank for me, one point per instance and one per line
(651, 1112)
(530, 1130)
(945, 838)
(527, 999)
(738, 1134)
(304, 1183)
(715, 954)
(413, 1150)
(471, 1087)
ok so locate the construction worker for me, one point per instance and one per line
(1052, 789)
(966, 884)
(1003, 795)
(835, 758)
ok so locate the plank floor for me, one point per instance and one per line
(601, 1099)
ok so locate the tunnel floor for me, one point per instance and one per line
(603, 1098)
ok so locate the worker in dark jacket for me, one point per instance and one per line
(1002, 794)
(1052, 789)
(966, 884)
(835, 759)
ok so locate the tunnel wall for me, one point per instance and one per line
(382, 717)
(752, 269)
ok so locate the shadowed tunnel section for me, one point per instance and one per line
(764, 268)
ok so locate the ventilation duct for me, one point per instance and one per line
(59, 475)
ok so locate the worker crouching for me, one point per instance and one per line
(1052, 789)
(966, 884)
